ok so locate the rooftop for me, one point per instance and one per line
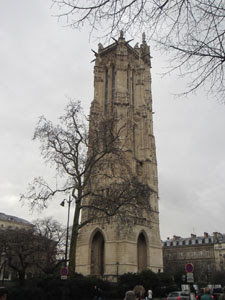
(216, 237)
(9, 218)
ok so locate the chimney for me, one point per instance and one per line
(176, 237)
(217, 235)
(206, 235)
(193, 236)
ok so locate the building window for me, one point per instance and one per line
(128, 80)
(133, 88)
(106, 91)
(97, 254)
(113, 83)
(134, 141)
(141, 253)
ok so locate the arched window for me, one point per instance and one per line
(97, 254)
(141, 253)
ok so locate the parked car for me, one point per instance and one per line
(201, 292)
(178, 295)
(216, 292)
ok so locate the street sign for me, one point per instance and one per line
(190, 277)
(189, 268)
(64, 273)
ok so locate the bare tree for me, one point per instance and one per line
(38, 250)
(51, 244)
(194, 31)
(80, 161)
(19, 248)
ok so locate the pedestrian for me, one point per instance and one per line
(139, 292)
(149, 294)
(3, 293)
(97, 293)
(129, 295)
(206, 295)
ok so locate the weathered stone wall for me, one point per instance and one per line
(122, 86)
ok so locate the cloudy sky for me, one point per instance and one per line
(42, 64)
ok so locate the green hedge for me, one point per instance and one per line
(80, 287)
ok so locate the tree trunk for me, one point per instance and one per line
(73, 240)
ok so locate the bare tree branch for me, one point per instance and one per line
(188, 28)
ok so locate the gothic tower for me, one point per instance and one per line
(122, 84)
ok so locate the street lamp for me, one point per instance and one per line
(67, 228)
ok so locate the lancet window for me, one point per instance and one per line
(106, 91)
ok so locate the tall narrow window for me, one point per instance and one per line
(113, 84)
(128, 84)
(134, 140)
(97, 255)
(106, 91)
(132, 88)
(141, 253)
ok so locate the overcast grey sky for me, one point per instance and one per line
(43, 63)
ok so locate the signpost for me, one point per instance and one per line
(190, 277)
(189, 269)
(64, 273)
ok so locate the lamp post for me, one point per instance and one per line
(67, 227)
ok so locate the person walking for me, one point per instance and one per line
(97, 293)
(129, 295)
(149, 295)
(139, 292)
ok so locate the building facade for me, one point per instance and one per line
(8, 222)
(122, 87)
(219, 251)
(12, 222)
(206, 253)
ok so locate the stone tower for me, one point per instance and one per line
(122, 84)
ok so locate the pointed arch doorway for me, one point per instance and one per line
(97, 254)
(141, 253)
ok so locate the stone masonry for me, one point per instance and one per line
(122, 85)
